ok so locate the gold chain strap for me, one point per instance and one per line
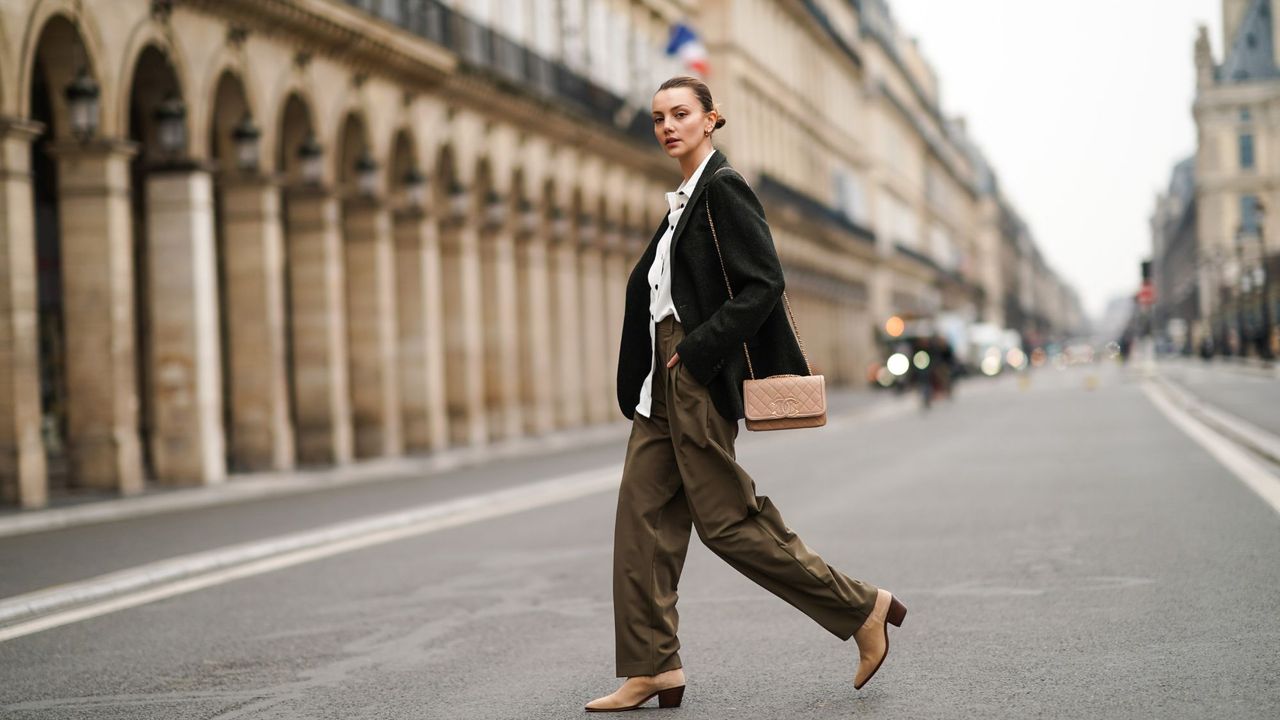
(795, 329)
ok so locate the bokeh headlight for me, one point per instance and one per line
(898, 364)
(991, 364)
(921, 359)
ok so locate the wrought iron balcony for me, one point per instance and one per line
(483, 49)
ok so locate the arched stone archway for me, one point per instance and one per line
(315, 288)
(533, 321)
(567, 310)
(370, 295)
(80, 357)
(461, 288)
(179, 366)
(616, 272)
(251, 280)
(419, 301)
(593, 338)
(493, 215)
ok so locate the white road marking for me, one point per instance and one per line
(1239, 461)
(310, 545)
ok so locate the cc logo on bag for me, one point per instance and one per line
(784, 407)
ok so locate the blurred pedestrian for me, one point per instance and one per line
(680, 373)
(945, 360)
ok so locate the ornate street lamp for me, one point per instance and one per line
(415, 189)
(82, 102)
(366, 175)
(171, 126)
(311, 160)
(245, 135)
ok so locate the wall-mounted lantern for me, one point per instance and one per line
(495, 210)
(82, 102)
(311, 160)
(559, 224)
(415, 189)
(529, 217)
(171, 126)
(366, 175)
(459, 200)
(245, 136)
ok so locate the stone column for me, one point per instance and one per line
(419, 314)
(322, 400)
(98, 299)
(502, 362)
(615, 283)
(534, 327)
(592, 345)
(187, 442)
(566, 303)
(372, 328)
(464, 334)
(261, 436)
(23, 476)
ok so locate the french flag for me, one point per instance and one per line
(685, 43)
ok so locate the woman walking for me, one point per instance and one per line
(680, 373)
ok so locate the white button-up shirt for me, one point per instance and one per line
(660, 302)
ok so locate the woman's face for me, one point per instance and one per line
(679, 122)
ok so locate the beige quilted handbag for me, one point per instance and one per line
(778, 402)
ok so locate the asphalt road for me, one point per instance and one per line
(1064, 552)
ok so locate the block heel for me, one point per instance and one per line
(897, 613)
(671, 698)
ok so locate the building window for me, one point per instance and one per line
(1249, 213)
(1246, 151)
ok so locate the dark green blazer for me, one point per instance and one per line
(715, 326)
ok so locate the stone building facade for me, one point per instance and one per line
(1237, 179)
(1175, 316)
(948, 239)
(252, 235)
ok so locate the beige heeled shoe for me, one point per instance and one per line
(873, 636)
(636, 691)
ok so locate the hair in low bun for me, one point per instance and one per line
(700, 91)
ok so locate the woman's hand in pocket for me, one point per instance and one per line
(674, 359)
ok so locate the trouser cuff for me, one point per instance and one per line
(633, 669)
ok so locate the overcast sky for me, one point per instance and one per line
(1083, 108)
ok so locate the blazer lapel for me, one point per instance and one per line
(712, 165)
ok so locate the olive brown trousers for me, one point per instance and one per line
(680, 473)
